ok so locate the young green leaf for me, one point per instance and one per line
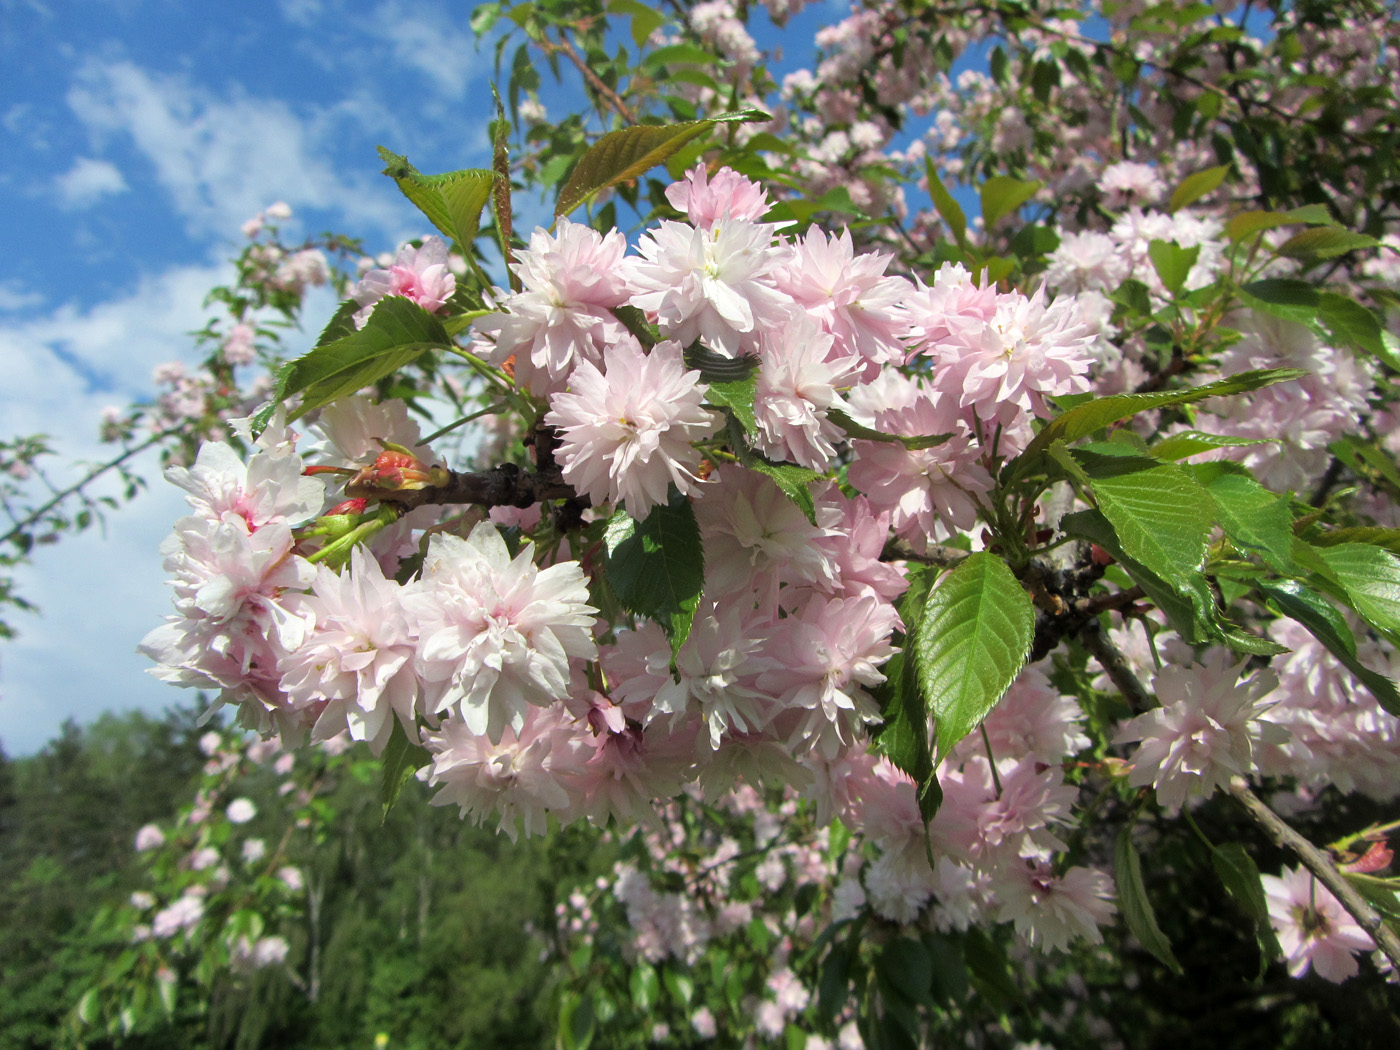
(452, 201)
(1196, 186)
(1133, 903)
(629, 152)
(1283, 297)
(1173, 263)
(1186, 443)
(398, 331)
(1371, 577)
(948, 208)
(402, 758)
(971, 643)
(1161, 516)
(1240, 877)
(1325, 242)
(1001, 195)
(1255, 519)
(1085, 419)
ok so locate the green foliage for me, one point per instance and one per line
(657, 567)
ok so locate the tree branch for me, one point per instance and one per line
(1322, 868)
(1314, 859)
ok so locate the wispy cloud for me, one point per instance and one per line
(222, 159)
(439, 46)
(88, 181)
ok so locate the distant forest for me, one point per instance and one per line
(422, 937)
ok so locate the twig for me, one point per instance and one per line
(1103, 650)
(1314, 859)
(611, 97)
(1322, 868)
(78, 486)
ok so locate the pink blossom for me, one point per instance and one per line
(1007, 366)
(1051, 911)
(522, 776)
(183, 914)
(718, 285)
(241, 810)
(797, 389)
(497, 633)
(1129, 182)
(571, 283)
(356, 662)
(929, 493)
(1313, 929)
(707, 200)
(850, 297)
(755, 538)
(1202, 735)
(149, 837)
(268, 488)
(628, 435)
(827, 657)
(418, 274)
(716, 672)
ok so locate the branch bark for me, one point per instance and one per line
(1322, 868)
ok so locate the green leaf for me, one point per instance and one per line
(577, 1020)
(1085, 419)
(1366, 458)
(1190, 610)
(1374, 535)
(645, 20)
(737, 396)
(657, 567)
(1257, 520)
(341, 324)
(948, 209)
(1161, 516)
(401, 759)
(678, 54)
(972, 641)
(1173, 263)
(852, 429)
(990, 969)
(904, 964)
(1133, 903)
(1001, 195)
(1322, 619)
(1282, 297)
(1240, 876)
(645, 986)
(904, 738)
(398, 331)
(1325, 242)
(452, 201)
(1187, 443)
(1352, 325)
(732, 382)
(1371, 577)
(1196, 186)
(790, 478)
(629, 152)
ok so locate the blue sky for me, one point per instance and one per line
(136, 136)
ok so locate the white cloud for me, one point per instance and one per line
(300, 12)
(441, 48)
(13, 296)
(98, 592)
(88, 181)
(224, 159)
